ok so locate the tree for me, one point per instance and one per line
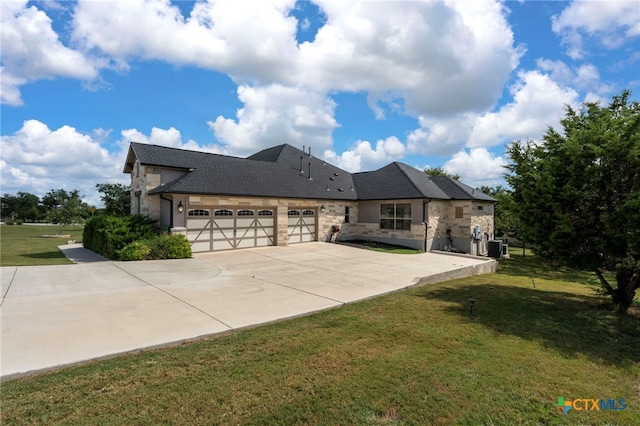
(504, 222)
(116, 198)
(64, 207)
(439, 171)
(21, 206)
(576, 195)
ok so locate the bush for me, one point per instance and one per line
(107, 235)
(137, 250)
(160, 247)
(175, 246)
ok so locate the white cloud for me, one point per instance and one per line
(419, 50)
(538, 102)
(274, 115)
(251, 41)
(364, 157)
(441, 136)
(611, 23)
(441, 57)
(31, 50)
(477, 167)
(37, 159)
(585, 77)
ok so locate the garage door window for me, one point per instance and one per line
(223, 213)
(198, 213)
(245, 212)
(294, 213)
(308, 213)
(265, 213)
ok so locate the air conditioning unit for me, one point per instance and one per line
(494, 248)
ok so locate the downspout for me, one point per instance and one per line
(494, 220)
(170, 200)
(425, 220)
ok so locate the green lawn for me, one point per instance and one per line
(24, 245)
(413, 357)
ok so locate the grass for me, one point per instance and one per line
(24, 245)
(413, 357)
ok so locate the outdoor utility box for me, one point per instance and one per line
(505, 249)
(494, 248)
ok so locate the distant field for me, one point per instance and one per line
(24, 245)
(538, 332)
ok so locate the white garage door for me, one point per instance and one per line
(225, 229)
(302, 226)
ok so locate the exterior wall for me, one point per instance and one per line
(474, 213)
(437, 232)
(144, 179)
(440, 218)
(368, 225)
(333, 213)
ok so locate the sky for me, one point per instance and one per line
(447, 83)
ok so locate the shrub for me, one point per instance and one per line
(109, 234)
(137, 250)
(175, 246)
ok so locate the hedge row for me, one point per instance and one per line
(132, 237)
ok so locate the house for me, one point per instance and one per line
(283, 195)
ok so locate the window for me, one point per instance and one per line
(293, 212)
(245, 213)
(223, 213)
(198, 212)
(308, 213)
(265, 213)
(459, 213)
(395, 216)
(346, 214)
(480, 208)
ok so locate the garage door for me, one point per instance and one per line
(225, 229)
(302, 226)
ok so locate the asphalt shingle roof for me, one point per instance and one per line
(274, 172)
(285, 171)
(396, 180)
(457, 190)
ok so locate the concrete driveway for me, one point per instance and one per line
(59, 315)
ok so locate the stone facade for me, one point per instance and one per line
(441, 216)
(144, 179)
(362, 221)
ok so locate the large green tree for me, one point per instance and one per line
(24, 206)
(116, 198)
(64, 207)
(576, 195)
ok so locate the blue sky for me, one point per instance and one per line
(427, 83)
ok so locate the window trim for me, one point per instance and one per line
(393, 220)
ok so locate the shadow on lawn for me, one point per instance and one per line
(535, 268)
(45, 255)
(570, 324)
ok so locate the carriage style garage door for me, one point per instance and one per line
(210, 229)
(302, 226)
